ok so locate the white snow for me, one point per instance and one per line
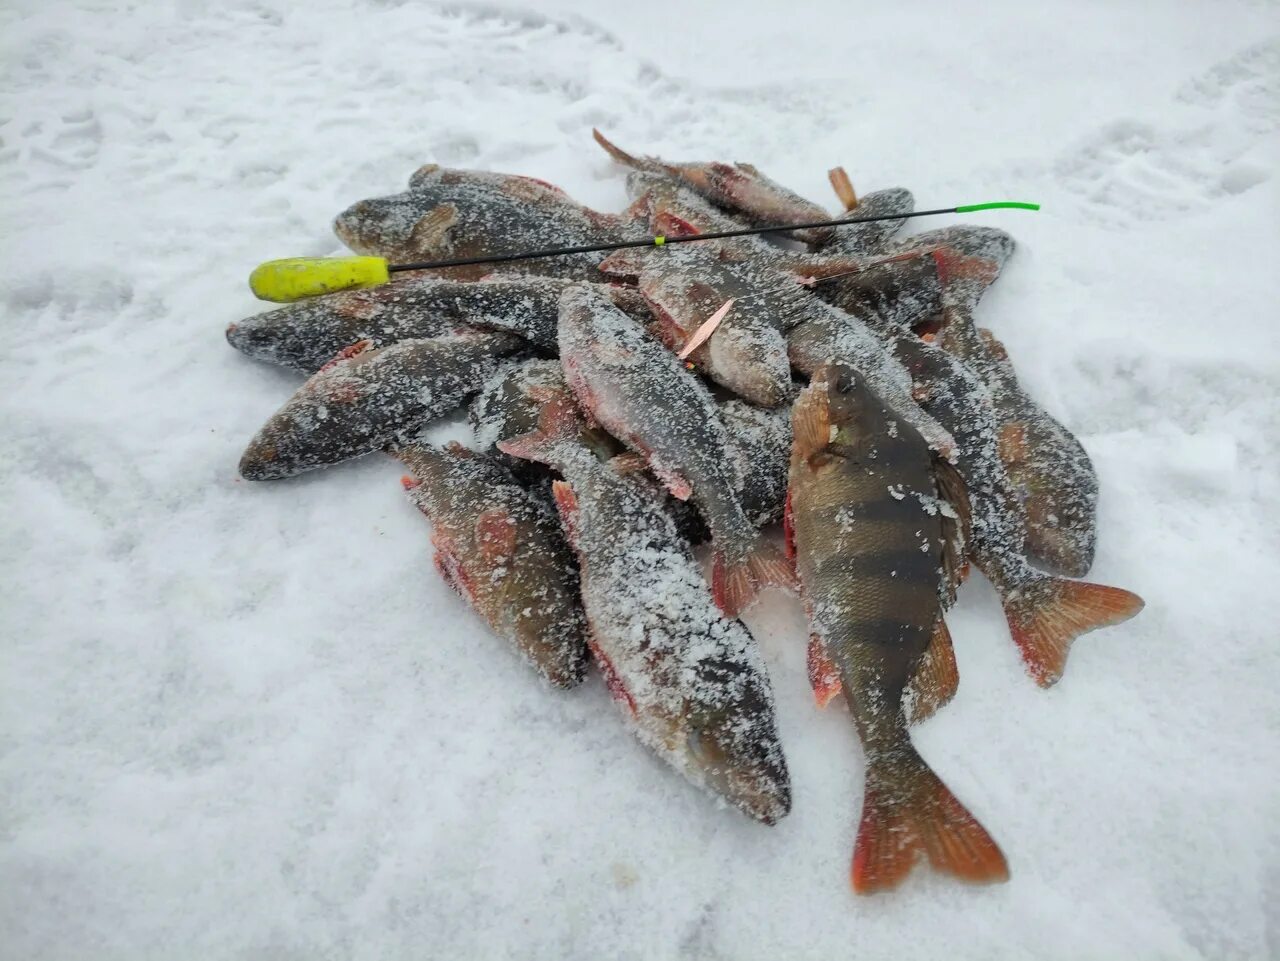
(249, 720)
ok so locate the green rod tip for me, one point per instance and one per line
(998, 205)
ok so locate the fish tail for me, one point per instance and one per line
(965, 278)
(624, 158)
(734, 586)
(559, 423)
(1045, 619)
(907, 812)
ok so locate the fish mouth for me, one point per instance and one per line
(744, 767)
(261, 461)
(353, 227)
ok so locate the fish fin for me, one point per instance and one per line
(1044, 622)
(994, 345)
(639, 210)
(628, 462)
(936, 678)
(622, 157)
(668, 224)
(955, 530)
(811, 423)
(428, 234)
(1012, 442)
(625, 264)
(824, 677)
(495, 534)
(671, 479)
(906, 812)
(734, 587)
(843, 187)
(964, 278)
(559, 422)
(566, 502)
(351, 350)
(409, 483)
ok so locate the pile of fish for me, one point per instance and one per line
(846, 392)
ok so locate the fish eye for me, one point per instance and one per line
(845, 381)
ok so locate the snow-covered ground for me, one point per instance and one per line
(250, 721)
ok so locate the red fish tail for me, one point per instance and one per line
(908, 812)
(1046, 619)
(734, 587)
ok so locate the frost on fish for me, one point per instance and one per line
(746, 353)
(759, 447)
(739, 188)
(306, 335)
(971, 240)
(510, 402)
(366, 401)
(861, 240)
(689, 681)
(501, 548)
(1051, 471)
(877, 563)
(638, 391)
(833, 335)
(455, 214)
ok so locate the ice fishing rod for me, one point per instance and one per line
(297, 278)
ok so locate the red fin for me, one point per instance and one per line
(495, 535)
(679, 487)
(734, 587)
(625, 263)
(1044, 622)
(567, 505)
(824, 678)
(559, 421)
(843, 187)
(409, 483)
(906, 812)
(936, 677)
(351, 350)
(670, 225)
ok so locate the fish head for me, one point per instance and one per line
(402, 227)
(328, 414)
(856, 414)
(733, 747)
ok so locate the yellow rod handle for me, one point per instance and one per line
(284, 281)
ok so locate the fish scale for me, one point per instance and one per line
(875, 602)
(365, 402)
(639, 391)
(507, 553)
(463, 213)
(689, 680)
